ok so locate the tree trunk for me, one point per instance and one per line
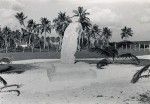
(6, 49)
(40, 48)
(48, 48)
(32, 48)
(107, 42)
(45, 41)
(89, 42)
(29, 40)
(6, 45)
(60, 43)
(23, 49)
(82, 40)
(78, 45)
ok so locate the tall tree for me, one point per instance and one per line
(106, 36)
(33, 33)
(1, 39)
(84, 20)
(60, 25)
(17, 36)
(95, 33)
(30, 28)
(126, 33)
(6, 34)
(45, 28)
(21, 17)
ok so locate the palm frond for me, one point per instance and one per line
(3, 81)
(129, 55)
(137, 75)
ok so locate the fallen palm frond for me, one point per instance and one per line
(129, 55)
(138, 74)
(3, 81)
(17, 91)
(6, 86)
(13, 85)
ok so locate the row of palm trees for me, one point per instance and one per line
(35, 34)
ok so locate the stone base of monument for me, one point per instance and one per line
(71, 72)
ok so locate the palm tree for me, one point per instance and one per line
(21, 17)
(45, 28)
(18, 36)
(6, 34)
(106, 35)
(94, 33)
(83, 19)
(33, 33)
(60, 25)
(15, 38)
(30, 28)
(1, 38)
(126, 33)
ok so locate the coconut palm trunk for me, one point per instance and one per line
(29, 40)
(45, 40)
(32, 48)
(89, 42)
(6, 45)
(60, 43)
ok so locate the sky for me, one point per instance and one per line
(114, 14)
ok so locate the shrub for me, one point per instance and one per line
(102, 63)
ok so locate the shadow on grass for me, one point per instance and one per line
(15, 68)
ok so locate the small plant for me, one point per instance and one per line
(5, 85)
(6, 60)
(102, 63)
(144, 98)
(139, 75)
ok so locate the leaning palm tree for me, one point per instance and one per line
(45, 28)
(60, 25)
(112, 52)
(126, 33)
(21, 17)
(106, 52)
(83, 19)
(106, 35)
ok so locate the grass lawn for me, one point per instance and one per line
(56, 55)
